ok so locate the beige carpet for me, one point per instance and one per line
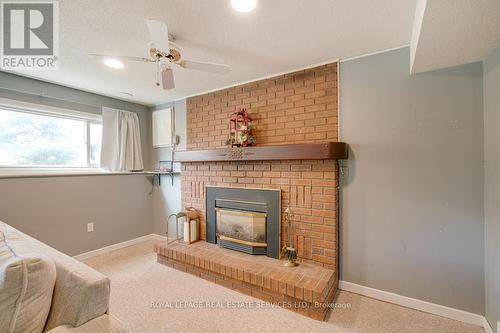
(137, 281)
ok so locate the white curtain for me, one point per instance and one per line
(121, 141)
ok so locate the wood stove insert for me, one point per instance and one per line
(245, 220)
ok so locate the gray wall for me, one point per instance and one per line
(57, 210)
(492, 185)
(167, 198)
(412, 204)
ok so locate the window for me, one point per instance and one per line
(162, 127)
(95, 139)
(34, 138)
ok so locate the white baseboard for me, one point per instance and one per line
(117, 246)
(412, 303)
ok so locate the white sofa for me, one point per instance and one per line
(44, 290)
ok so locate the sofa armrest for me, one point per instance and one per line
(80, 292)
(102, 324)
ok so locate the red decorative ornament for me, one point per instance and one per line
(240, 129)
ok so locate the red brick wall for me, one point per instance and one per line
(292, 108)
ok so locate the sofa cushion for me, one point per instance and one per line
(26, 284)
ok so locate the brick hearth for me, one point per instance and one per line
(307, 289)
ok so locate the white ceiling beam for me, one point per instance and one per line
(449, 33)
(417, 25)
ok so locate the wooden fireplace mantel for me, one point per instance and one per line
(306, 151)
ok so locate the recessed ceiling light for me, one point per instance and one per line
(244, 5)
(113, 63)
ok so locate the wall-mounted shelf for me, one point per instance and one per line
(159, 174)
(306, 151)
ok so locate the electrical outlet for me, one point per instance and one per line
(90, 226)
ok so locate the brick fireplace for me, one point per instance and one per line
(299, 107)
(295, 108)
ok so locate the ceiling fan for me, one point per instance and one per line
(165, 53)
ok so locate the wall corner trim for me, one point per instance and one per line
(109, 248)
(412, 303)
(487, 327)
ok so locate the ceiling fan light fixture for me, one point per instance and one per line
(244, 5)
(113, 63)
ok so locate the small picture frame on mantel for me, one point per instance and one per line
(163, 126)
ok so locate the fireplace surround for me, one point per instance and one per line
(246, 210)
(296, 118)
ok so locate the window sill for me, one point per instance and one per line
(10, 173)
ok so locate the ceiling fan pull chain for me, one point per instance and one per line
(157, 73)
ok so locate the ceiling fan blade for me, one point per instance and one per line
(159, 35)
(167, 78)
(205, 66)
(124, 58)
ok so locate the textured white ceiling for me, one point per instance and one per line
(454, 32)
(280, 35)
